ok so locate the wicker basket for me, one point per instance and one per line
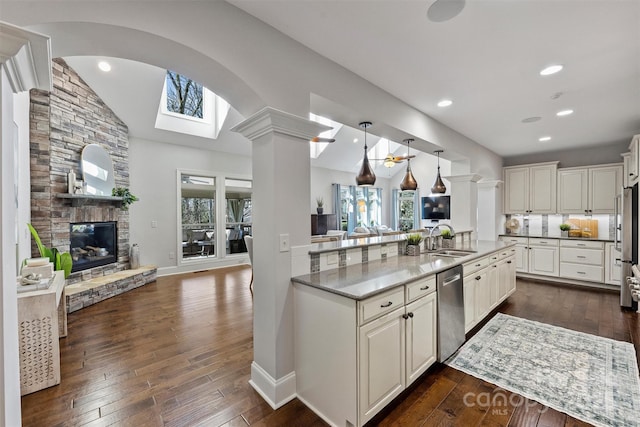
(448, 243)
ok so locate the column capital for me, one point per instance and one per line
(490, 183)
(463, 178)
(269, 120)
(26, 56)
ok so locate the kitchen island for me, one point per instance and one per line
(365, 332)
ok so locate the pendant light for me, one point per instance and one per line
(438, 186)
(366, 177)
(409, 182)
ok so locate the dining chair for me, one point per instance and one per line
(248, 242)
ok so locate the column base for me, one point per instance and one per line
(275, 392)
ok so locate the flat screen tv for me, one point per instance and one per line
(436, 207)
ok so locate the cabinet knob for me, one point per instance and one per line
(478, 277)
(410, 314)
(508, 262)
(386, 305)
(424, 288)
(405, 317)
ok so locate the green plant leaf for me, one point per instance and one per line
(66, 263)
(41, 248)
(54, 257)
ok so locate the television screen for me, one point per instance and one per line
(436, 207)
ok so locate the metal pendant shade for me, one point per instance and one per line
(408, 182)
(365, 177)
(438, 186)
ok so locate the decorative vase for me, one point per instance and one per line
(320, 210)
(447, 243)
(134, 256)
(564, 233)
(413, 250)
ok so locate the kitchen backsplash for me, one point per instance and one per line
(549, 225)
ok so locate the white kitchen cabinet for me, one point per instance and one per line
(520, 251)
(612, 266)
(530, 188)
(632, 173)
(511, 276)
(626, 158)
(582, 260)
(469, 290)
(381, 362)
(421, 336)
(483, 294)
(543, 257)
(589, 190)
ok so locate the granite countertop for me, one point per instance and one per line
(547, 236)
(364, 280)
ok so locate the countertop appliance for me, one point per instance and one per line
(450, 312)
(627, 242)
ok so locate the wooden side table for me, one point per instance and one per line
(42, 321)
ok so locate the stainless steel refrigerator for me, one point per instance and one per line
(627, 240)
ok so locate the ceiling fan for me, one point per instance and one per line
(390, 160)
(319, 139)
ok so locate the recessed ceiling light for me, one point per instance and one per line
(557, 95)
(544, 139)
(564, 113)
(443, 10)
(445, 103)
(551, 69)
(355, 140)
(104, 66)
(531, 119)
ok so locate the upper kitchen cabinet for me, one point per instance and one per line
(530, 188)
(589, 190)
(633, 166)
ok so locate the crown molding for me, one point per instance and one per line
(26, 58)
(269, 120)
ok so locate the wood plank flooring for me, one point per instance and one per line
(177, 352)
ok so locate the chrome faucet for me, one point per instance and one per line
(433, 243)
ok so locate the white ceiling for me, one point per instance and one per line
(486, 60)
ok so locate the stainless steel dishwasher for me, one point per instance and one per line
(450, 312)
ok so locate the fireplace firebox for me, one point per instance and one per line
(93, 244)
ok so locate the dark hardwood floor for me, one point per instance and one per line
(177, 352)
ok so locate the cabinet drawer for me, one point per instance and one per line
(581, 244)
(581, 272)
(378, 305)
(494, 257)
(516, 240)
(582, 256)
(506, 252)
(475, 265)
(535, 241)
(420, 288)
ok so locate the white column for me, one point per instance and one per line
(25, 63)
(464, 201)
(489, 209)
(280, 205)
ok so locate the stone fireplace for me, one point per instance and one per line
(62, 122)
(93, 244)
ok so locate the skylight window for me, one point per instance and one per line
(190, 108)
(184, 96)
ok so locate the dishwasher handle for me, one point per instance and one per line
(451, 279)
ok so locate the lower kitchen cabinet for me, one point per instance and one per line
(612, 266)
(543, 257)
(582, 260)
(395, 342)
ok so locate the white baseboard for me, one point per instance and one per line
(275, 392)
(203, 264)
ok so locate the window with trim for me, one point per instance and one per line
(198, 208)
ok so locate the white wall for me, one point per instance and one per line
(153, 178)
(21, 118)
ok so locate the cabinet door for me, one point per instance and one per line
(511, 275)
(421, 339)
(542, 189)
(483, 294)
(612, 266)
(493, 279)
(381, 362)
(573, 195)
(516, 190)
(633, 160)
(522, 259)
(605, 184)
(544, 260)
(503, 279)
(469, 290)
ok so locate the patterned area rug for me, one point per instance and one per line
(590, 378)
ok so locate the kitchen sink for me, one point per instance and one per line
(453, 252)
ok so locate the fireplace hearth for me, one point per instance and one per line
(93, 244)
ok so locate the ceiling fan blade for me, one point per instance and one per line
(318, 139)
(398, 159)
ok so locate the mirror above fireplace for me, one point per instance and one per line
(97, 170)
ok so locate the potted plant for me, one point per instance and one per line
(447, 238)
(319, 205)
(564, 229)
(413, 244)
(127, 197)
(61, 260)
